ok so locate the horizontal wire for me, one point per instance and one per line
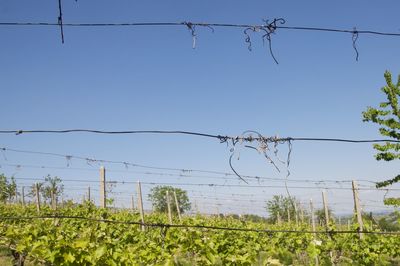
(224, 25)
(194, 226)
(180, 132)
(124, 163)
(183, 170)
(215, 185)
(128, 194)
(318, 182)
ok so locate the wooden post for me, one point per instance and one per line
(357, 208)
(326, 219)
(37, 197)
(23, 196)
(312, 217)
(53, 201)
(168, 207)
(88, 194)
(132, 202)
(278, 218)
(103, 196)
(313, 226)
(301, 214)
(140, 204)
(16, 194)
(326, 210)
(178, 210)
(196, 207)
(288, 214)
(295, 214)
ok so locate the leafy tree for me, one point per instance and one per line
(387, 116)
(158, 198)
(8, 188)
(32, 190)
(52, 186)
(280, 204)
(390, 222)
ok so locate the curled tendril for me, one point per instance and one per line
(268, 37)
(208, 26)
(268, 28)
(272, 26)
(192, 28)
(248, 39)
(386, 192)
(354, 38)
(233, 169)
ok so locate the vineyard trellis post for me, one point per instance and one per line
(52, 199)
(296, 214)
(103, 196)
(278, 218)
(140, 204)
(167, 197)
(133, 202)
(357, 208)
(16, 195)
(37, 197)
(196, 207)
(301, 214)
(312, 217)
(178, 208)
(325, 210)
(288, 215)
(88, 194)
(23, 196)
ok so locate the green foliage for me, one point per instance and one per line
(8, 188)
(280, 205)
(387, 115)
(85, 242)
(158, 198)
(392, 201)
(387, 183)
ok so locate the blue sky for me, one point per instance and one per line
(151, 78)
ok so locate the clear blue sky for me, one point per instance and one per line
(151, 78)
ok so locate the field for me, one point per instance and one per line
(85, 235)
